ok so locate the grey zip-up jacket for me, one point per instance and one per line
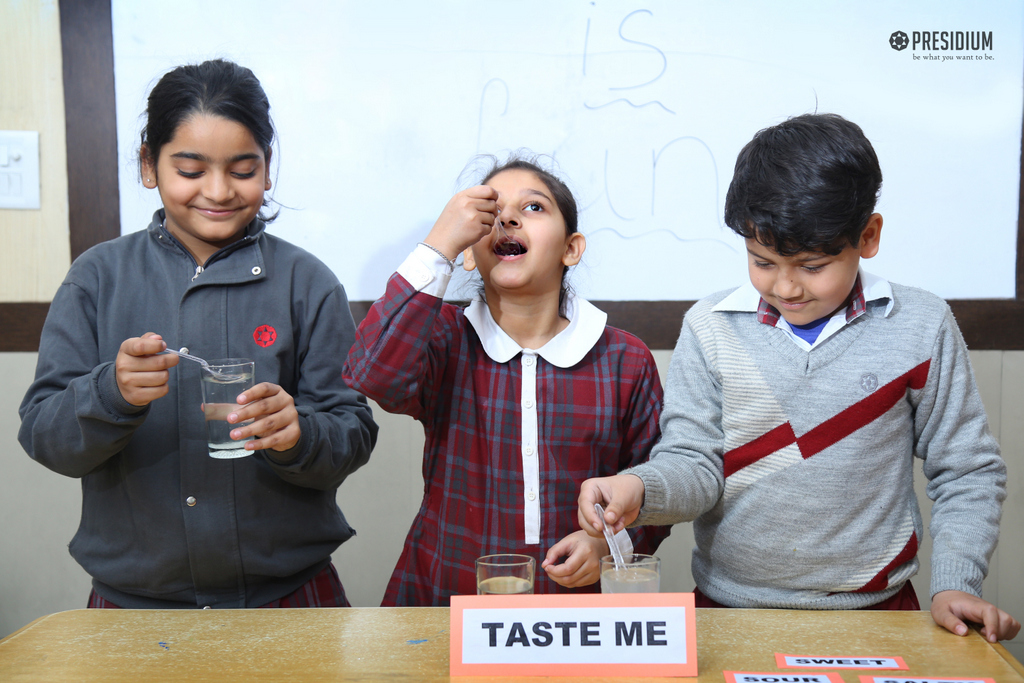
(163, 524)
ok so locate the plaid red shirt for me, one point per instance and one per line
(418, 356)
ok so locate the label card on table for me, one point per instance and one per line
(826, 662)
(776, 677)
(637, 634)
(892, 679)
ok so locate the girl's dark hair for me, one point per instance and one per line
(216, 88)
(520, 161)
(808, 184)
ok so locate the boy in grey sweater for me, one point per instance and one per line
(794, 406)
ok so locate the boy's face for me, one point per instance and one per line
(809, 286)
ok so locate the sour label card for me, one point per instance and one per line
(776, 677)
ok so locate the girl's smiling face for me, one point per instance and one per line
(211, 176)
(530, 216)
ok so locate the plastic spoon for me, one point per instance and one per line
(613, 547)
(501, 228)
(196, 359)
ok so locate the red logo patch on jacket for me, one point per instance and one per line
(265, 335)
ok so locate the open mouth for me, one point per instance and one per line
(509, 246)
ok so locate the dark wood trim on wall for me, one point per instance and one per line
(87, 46)
(22, 323)
(87, 41)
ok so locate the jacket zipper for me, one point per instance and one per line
(199, 269)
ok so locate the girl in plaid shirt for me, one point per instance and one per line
(523, 395)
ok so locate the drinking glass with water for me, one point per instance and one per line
(223, 381)
(638, 574)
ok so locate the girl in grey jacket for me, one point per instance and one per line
(163, 524)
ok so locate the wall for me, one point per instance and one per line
(36, 251)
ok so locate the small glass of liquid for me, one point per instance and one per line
(639, 574)
(505, 574)
(223, 381)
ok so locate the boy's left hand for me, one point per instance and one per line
(276, 420)
(582, 565)
(950, 609)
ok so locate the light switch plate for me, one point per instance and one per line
(19, 169)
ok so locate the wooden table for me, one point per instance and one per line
(411, 644)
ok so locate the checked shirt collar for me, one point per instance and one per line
(867, 287)
(769, 315)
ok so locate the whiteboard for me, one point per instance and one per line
(642, 106)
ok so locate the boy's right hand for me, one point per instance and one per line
(467, 218)
(141, 373)
(621, 496)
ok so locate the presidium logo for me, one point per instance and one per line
(945, 41)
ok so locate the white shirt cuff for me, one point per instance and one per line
(427, 271)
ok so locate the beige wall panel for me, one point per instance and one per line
(1011, 538)
(988, 371)
(40, 510)
(380, 501)
(36, 251)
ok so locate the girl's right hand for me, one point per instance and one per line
(468, 217)
(141, 373)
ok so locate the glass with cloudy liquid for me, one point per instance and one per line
(505, 574)
(640, 574)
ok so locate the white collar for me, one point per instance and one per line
(876, 288)
(745, 299)
(565, 349)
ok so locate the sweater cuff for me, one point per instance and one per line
(956, 575)
(655, 494)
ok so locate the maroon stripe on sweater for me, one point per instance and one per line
(761, 447)
(881, 580)
(830, 432)
(862, 413)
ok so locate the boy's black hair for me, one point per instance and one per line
(808, 184)
(216, 87)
